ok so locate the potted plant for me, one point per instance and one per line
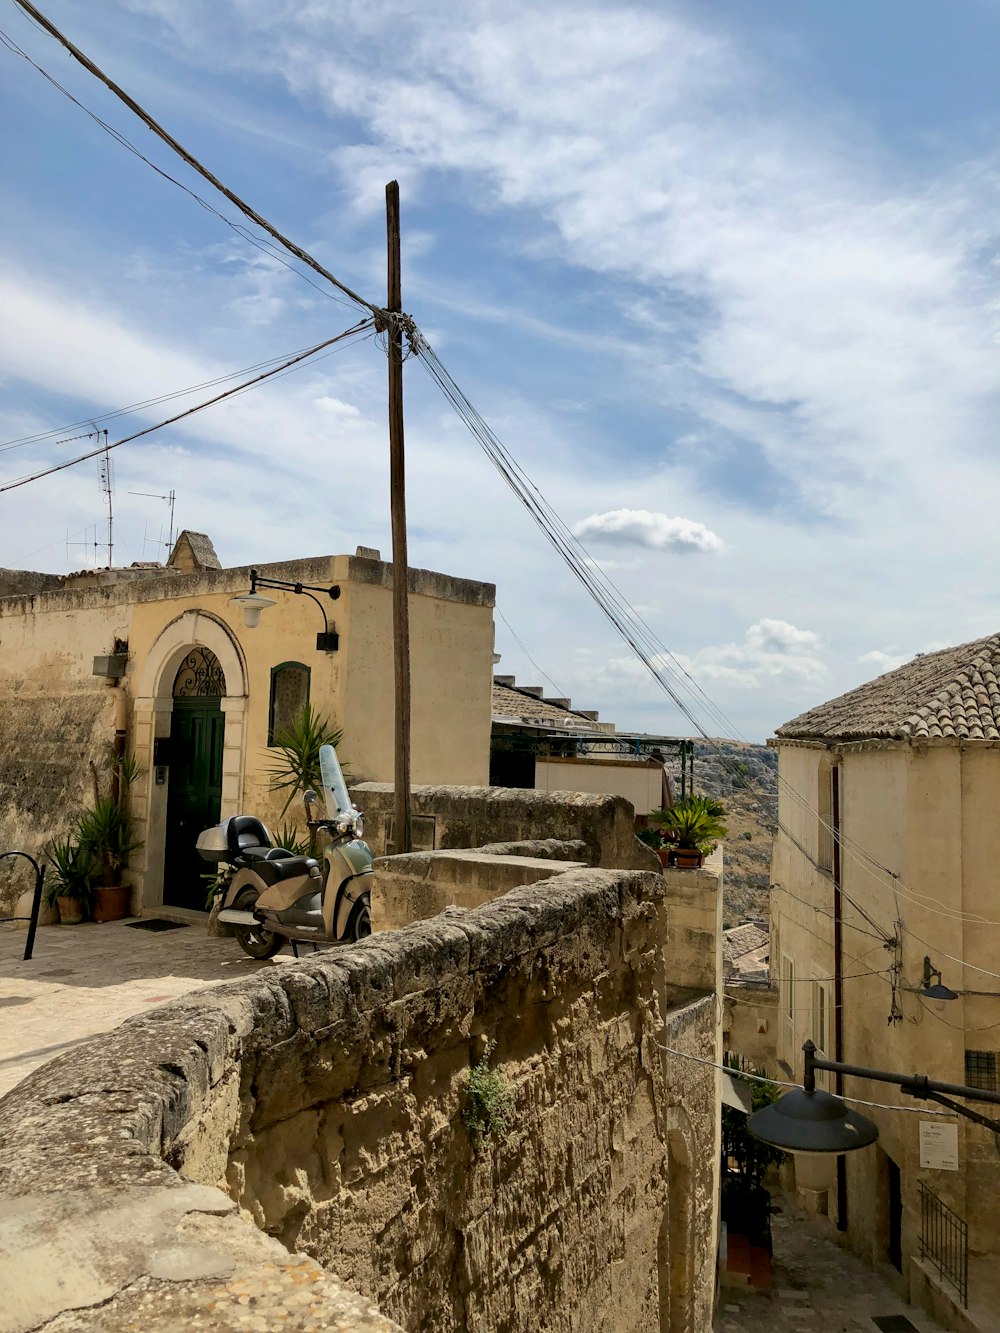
(107, 834)
(696, 826)
(69, 883)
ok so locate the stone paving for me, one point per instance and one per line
(86, 979)
(818, 1285)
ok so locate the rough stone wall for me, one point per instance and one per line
(422, 884)
(47, 737)
(327, 1097)
(456, 817)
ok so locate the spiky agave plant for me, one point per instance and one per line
(295, 766)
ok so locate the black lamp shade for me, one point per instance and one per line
(812, 1122)
(939, 992)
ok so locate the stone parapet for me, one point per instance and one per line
(325, 1102)
(422, 884)
(448, 818)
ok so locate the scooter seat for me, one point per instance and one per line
(287, 867)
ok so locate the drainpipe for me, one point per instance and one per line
(118, 745)
(838, 980)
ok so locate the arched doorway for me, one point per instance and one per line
(197, 738)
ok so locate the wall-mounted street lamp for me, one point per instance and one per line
(253, 603)
(934, 990)
(811, 1120)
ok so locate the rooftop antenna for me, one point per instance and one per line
(107, 480)
(170, 498)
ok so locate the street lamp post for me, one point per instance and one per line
(811, 1120)
(327, 641)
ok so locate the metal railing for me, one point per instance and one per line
(36, 901)
(944, 1241)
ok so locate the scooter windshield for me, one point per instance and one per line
(334, 786)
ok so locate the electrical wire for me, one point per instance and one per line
(302, 255)
(198, 407)
(41, 436)
(783, 1083)
(524, 650)
(885, 939)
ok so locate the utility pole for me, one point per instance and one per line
(400, 568)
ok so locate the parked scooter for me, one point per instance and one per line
(271, 896)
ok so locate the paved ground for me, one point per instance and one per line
(817, 1286)
(86, 979)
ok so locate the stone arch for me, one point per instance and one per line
(153, 705)
(677, 1247)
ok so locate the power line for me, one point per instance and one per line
(302, 255)
(198, 407)
(528, 655)
(41, 436)
(783, 1083)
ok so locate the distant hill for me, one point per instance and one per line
(745, 778)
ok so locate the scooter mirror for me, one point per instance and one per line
(315, 808)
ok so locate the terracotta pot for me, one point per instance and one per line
(70, 911)
(664, 853)
(687, 858)
(111, 902)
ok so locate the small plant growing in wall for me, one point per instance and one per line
(488, 1103)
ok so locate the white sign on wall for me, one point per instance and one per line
(939, 1145)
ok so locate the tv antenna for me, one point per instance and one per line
(106, 479)
(170, 498)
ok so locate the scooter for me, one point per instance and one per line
(271, 896)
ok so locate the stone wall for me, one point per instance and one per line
(456, 817)
(325, 1099)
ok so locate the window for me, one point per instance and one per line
(824, 808)
(981, 1070)
(788, 992)
(289, 694)
(820, 1017)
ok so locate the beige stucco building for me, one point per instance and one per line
(889, 847)
(197, 697)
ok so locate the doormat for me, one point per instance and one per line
(894, 1323)
(157, 923)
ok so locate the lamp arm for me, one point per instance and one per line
(305, 593)
(915, 1085)
(969, 1114)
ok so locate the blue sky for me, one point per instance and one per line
(723, 278)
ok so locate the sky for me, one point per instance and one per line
(723, 278)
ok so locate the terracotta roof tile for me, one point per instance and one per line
(953, 693)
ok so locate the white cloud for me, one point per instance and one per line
(883, 661)
(773, 654)
(640, 527)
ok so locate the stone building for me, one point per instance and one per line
(158, 659)
(889, 842)
(546, 744)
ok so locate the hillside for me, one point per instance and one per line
(745, 778)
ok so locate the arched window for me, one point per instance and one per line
(289, 694)
(200, 675)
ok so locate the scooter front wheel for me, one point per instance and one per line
(359, 923)
(255, 940)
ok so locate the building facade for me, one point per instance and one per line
(886, 872)
(158, 660)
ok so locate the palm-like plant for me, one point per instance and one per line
(107, 832)
(694, 821)
(71, 872)
(295, 768)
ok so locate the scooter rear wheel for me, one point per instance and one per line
(255, 940)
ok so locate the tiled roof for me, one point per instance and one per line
(741, 940)
(954, 693)
(513, 705)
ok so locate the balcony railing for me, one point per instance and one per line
(944, 1242)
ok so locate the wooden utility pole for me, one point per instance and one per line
(397, 487)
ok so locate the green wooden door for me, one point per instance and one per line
(194, 797)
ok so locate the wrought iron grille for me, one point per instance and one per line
(200, 675)
(944, 1241)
